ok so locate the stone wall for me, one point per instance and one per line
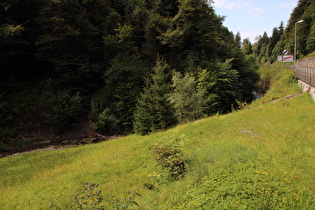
(306, 62)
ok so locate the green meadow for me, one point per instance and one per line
(259, 157)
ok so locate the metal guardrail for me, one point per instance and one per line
(305, 74)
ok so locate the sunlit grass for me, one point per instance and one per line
(259, 157)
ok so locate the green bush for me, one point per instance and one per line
(16, 105)
(6, 117)
(89, 197)
(92, 198)
(105, 122)
(169, 155)
(186, 98)
(6, 132)
(63, 109)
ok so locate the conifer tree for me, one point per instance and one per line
(154, 111)
(246, 47)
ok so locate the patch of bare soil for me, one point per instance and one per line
(289, 97)
(249, 132)
(82, 133)
(293, 96)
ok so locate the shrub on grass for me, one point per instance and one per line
(92, 198)
(169, 155)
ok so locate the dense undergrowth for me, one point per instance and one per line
(260, 157)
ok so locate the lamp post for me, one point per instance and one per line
(300, 21)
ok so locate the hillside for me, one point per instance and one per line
(64, 62)
(259, 157)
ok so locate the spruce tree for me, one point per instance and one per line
(154, 111)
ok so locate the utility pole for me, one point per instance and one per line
(300, 21)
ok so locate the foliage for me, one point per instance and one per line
(267, 49)
(153, 111)
(220, 80)
(119, 95)
(63, 109)
(105, 122)
(278, 81)
(18, 105)
(303, 11)
(104, 49)
(169, 155)
(247, 47)
(5, 116)
(92, 198)
(187, 100)
(230, 156)
(89, 197)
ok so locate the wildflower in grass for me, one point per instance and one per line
(154, 175)
(265, 173)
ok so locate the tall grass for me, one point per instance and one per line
(282, 81)
(262, 157)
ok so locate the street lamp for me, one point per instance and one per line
(300, 21)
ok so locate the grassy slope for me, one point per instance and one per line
(261, 156)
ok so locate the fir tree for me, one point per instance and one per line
(153, 111)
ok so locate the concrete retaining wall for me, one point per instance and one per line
(306, 63)
(307, 88)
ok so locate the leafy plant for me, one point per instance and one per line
(105, 122)
(63, 109)
(219, 81)
(92, 198)
(7, 132)
(169, 155)
(186, 98)
(4, 111)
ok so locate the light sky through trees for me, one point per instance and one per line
(252, 17)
